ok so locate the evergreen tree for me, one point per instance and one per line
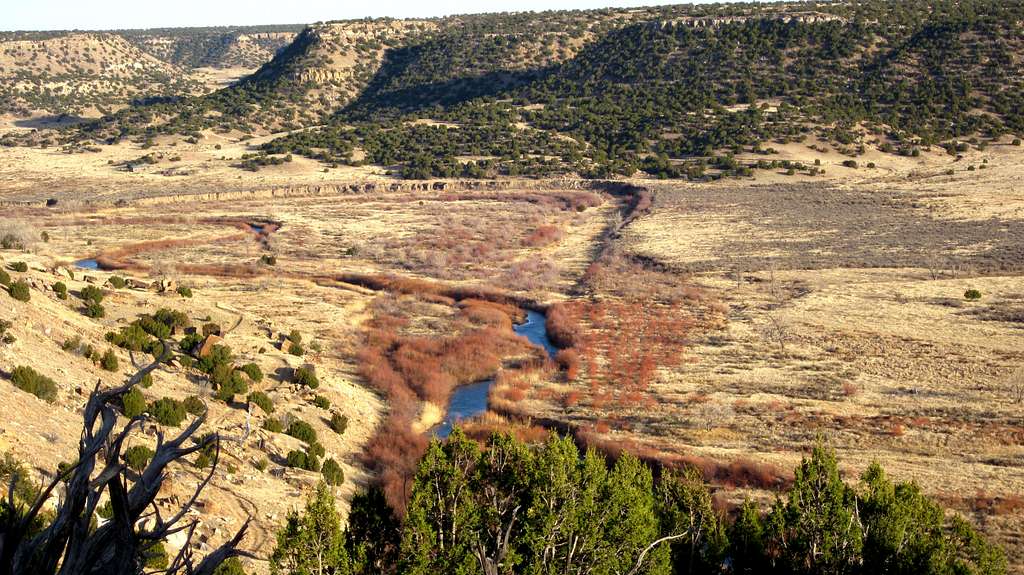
(311, 543)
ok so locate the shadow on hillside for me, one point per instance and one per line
(51, 121)
(382, 93)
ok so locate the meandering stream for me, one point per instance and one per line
(471, 400)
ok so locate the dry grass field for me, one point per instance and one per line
(729, 325)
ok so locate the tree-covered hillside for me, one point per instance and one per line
(675, 91)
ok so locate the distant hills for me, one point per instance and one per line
(82, 72)
(677, 91)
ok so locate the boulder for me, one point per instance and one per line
(208, 343)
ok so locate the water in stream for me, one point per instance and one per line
(471, 400)
(89, 264)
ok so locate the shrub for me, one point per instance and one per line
(1016, 141)
(19, 291)
(61, 289)
(232, 566)
(157, 557)
(172, 318)
(94, 310)
(91, 293)
(273, 425)
(972, 295)
(268, 260)
(850, 163)
(190, 342)
(137, 457)
(5, 278)
(19, 267)
(194, 405)
(146, 381)
(295, 336)
(117, 282)
(296, 349)
(302, 431)
(333, 474)
(27, 379)
(133, 403)
(211, 329)
(306, 377)
(302, 460)
(322, 402)
(339, 423)
(185, 291)
(109, 361)
(167, 411)
(253, 371)
(262, 400)
(231, 386)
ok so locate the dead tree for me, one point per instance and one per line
(69, 544)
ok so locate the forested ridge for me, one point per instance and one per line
(674, 91)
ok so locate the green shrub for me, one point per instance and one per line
(190, 342)
(268, 260)
(302, 460)
(253, 371)
(302, 431)
(19, 291)
(234, 384)
(19, 267)
(117, 282)
(322, 402)
(333, 473)
(1016, 141)
(91, 293)
(339, 423)
(105, 511)
(167, 411)
(296, 349)
(61, 289)
(137, 457)
(262, 464)
(157, 557)
(211, 329)
(133, 403)
(261, 400)
(972, 295)
(109, 361)
(232, 566)
(185, 291)
(194, 405)
(295, 336)
(305, 376)
(146, 381)
(94, 310)
(45, 236)
(172, 318)
(273, 425)
(5, 278)
(315, 449)
(27, 379)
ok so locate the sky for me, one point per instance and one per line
(121, 14)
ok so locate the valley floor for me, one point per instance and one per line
(729, 325)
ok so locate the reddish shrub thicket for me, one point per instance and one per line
(571, 399)
(996, 505)
(410, 369)
(569, 361)
(562, 325)
(544, 235)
